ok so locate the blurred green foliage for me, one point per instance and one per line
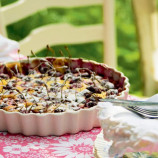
(127, 48)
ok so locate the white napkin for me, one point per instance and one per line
(127, 130)
(8, 49)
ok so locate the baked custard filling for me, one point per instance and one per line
(53, 85)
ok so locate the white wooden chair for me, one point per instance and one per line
(51, 34)
(146, 16)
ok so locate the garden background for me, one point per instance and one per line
(127, 47)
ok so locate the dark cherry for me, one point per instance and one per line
(52, 89)
(16, 100)
(67, 100)
(62, 77)
(50, 73)
(91, 104)
(21, 96)
(59, 110)
(94, 89)
(120, 90)
(67, 71)
(8, 87)
(87, 95)
(4, 76)
(43, 70)
(3, 105)
(74, 80)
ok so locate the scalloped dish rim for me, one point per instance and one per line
(47, 132)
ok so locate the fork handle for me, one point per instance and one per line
(121, 102)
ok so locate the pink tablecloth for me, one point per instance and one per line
(79, 145)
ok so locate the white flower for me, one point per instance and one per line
(92, 134)
(83, 135)
(9, 140)
(81, 148)
(50, 137)
(37, 145)
(61, 138)
(15, 149)
(1, 156)
(96, 130)
(4, 133)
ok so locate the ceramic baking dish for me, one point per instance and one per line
(44, 124)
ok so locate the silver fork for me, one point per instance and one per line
(139, 107)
